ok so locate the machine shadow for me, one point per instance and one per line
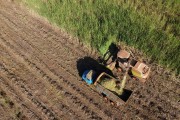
(88, 63)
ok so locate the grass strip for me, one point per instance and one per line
(101, 22)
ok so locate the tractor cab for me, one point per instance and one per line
(89, 76)
(138, 70)
(123, 58)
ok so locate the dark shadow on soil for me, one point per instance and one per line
(112, 51)
(88, 63)
(126, 94)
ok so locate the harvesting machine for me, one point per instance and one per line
(113, 88)
(108, 86)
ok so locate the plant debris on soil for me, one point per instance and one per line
(39, 76)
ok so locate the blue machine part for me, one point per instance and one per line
(84, 77)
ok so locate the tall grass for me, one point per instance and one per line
(151, 26)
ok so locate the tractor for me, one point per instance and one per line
(123, 59)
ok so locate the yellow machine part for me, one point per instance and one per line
(136, 73)
(111, 85)
(111, 66)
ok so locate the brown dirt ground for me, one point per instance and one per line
(40, 68)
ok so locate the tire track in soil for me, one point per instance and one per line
(20, 103)
(70, 96)
(35, 81)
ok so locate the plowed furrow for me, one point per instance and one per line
(60, 104)
(149, 104)
(72, 111)
(37, 41)
(155, 85)
(7, 106)
(25, 92)
(152, 106)
(95, 104)
(163, 93)
(167, 81)
(167, 78)
(41, 33)
(147, 98)
(42, 73)
(166, 85)
(20, 103)
(154, 90)
(57, 65)
(68, 59)
(133, 113)
(5, 113)
(67, 81)
(138, 109)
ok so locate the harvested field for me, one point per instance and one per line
(39, 77)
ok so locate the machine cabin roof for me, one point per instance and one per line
(123, 54)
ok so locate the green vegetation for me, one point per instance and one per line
(150, 26)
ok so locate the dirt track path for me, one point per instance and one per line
(39, 76)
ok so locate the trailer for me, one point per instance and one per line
(107, 86)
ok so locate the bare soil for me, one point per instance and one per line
(40, 69)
